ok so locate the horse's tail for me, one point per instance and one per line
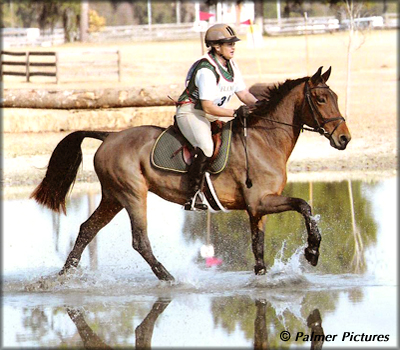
(62, 169)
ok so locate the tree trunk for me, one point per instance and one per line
(259, 14)
(84, 21)
(91, 99)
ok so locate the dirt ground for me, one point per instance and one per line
(371, 116)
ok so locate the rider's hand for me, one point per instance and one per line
(242, 112)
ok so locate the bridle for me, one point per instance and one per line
(319, 128)
(315, 112)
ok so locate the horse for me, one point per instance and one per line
(253, 179)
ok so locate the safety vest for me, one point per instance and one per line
(225, 80)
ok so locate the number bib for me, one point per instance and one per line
(229, 81)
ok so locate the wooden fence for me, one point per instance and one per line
(13, 37)
(154, 32)
(28, 65)
(327, 24)
(87, 64)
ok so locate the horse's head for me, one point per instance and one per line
(320, 110)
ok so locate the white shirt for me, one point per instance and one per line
(222, 92)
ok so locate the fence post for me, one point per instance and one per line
(27, 66)
(57, 71)
(119, 65)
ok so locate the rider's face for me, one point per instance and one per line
(227, 50)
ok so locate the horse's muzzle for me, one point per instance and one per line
(340, 142)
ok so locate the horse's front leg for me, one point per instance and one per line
(314, 237)
(257, 244)
(272, 204)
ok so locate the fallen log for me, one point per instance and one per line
(149, 96)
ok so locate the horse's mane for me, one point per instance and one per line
(269, 96)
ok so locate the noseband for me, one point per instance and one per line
(317, 116)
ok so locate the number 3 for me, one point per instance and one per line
(223, 99)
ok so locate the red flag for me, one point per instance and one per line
(248, 22)
(205, 16)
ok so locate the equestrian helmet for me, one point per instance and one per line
(219, 34)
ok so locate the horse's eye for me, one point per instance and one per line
(321, 99)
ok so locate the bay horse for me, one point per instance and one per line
(122, 163)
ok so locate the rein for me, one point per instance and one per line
(315, 112)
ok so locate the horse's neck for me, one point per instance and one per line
(281, 135)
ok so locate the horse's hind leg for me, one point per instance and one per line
(140, 241)
(104, 213)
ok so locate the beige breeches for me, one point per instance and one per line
(195, 127)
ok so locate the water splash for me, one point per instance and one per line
(316, 218)
(283, 273)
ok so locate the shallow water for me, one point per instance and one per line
(114, 300)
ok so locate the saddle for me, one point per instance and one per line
(173, 152)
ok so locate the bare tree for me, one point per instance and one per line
(353, 11)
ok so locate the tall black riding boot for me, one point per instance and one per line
(196, 175)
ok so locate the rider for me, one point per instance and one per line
(210, 83)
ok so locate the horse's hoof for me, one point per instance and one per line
(311, 256)
(259, 271)
(169, 278)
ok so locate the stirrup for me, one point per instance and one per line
(196, 203)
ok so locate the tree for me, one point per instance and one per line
(353, 11)
(43, 14)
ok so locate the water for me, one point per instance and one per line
(114, 300)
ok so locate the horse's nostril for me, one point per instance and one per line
(343, 139)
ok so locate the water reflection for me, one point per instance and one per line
(144, 332)
(203, 321)
(115, 300)
(99, 332)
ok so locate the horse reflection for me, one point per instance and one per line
(144, 332)
(314, 322)
(260, 326)
(90, 339)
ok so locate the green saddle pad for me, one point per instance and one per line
(167, 152)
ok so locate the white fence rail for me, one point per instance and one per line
(31, 37)
(14, 37)
(316, 25)
(300, 25)
(145, 33)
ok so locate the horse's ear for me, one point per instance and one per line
(326, 75)
(316, 78)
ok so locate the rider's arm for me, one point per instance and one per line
(210, 108)
(246, 97)
(242, 92)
